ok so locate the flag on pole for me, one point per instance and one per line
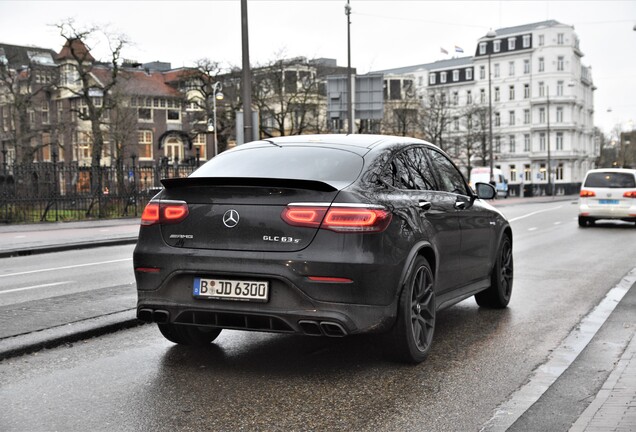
(459, 49)
(443, 50)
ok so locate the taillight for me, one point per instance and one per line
(587, 193)
(630, 194)
(164, 212)
(340, 219)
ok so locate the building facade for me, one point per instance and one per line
(528, 81)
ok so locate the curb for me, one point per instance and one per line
(72, 332)
(64, 247)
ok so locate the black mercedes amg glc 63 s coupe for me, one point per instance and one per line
(321, 235)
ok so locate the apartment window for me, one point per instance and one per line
(46, 147)
(526, 66)
(144, 138)
(542, 172)
(45, 112)
(497, 94)
(496, 46)
(145, 114)
(511, 92)
(173, 115)
(482, 72)
(497, 119)
(526, 91)
(199, 143)
(559, 171)
(559, 141)
(559, 38)
(541, 40)
(511, 43)
(513, 148)
(541, 115)
(559, 115)
(559, 88)
(482, 48)
(526, 116)
(541, 64)
(527, 173)
(455, 75)
(482, 95)
(541, 89)
(455, 98)
(526, 143)
(560, 63)
(469, 97)
(498, 144)
(511, 68)
(442, 77)
(511, 118)
(542, 141)
(526, 41)
(431, 79)
(513, 172)
(469, 73)
(455, 123)
(496, 70)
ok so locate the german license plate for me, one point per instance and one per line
(606, 201)
(223, 289)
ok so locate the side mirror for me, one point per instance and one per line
(485, 190)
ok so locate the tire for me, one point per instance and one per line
(582, 221)
(497, 296)
(412, 334)
(189, 335)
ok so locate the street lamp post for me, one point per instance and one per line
(216, 95)
(349, 84)
(490, 35)
(550, 189)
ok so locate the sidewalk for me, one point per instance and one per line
(17, 240)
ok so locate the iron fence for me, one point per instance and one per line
(62, 191)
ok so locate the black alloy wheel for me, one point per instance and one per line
(189, 335)
(412, 335)
(500, 291)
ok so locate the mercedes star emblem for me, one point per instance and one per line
(231, 218)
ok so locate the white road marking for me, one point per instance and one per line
(65, 267)
(534, 213)
(19, 236)
(557, 223)
(560, 360)
(533, 229)
(35, 286)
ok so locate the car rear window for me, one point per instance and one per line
(289, 162)
(613, 180)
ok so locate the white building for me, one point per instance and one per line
(541, 98)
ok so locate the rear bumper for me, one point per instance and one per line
(607, 211)
(296, 304)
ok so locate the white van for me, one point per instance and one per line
(482, 175)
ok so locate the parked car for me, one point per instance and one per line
(608, 194)
(323, 235)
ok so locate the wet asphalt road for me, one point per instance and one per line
(134, 380)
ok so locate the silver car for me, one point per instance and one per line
(608, 194)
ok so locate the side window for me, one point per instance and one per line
(410, 170)
(450, 178)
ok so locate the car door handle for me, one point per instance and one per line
(460, 205)
(424, 205)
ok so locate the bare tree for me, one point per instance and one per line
(83, 81)
(25, 90)
(436, 117)
(287, 95)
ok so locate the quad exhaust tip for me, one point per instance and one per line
(150, 315)
(323, 328)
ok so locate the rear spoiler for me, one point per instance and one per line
(174, 183)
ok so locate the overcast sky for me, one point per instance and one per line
(384, 33)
